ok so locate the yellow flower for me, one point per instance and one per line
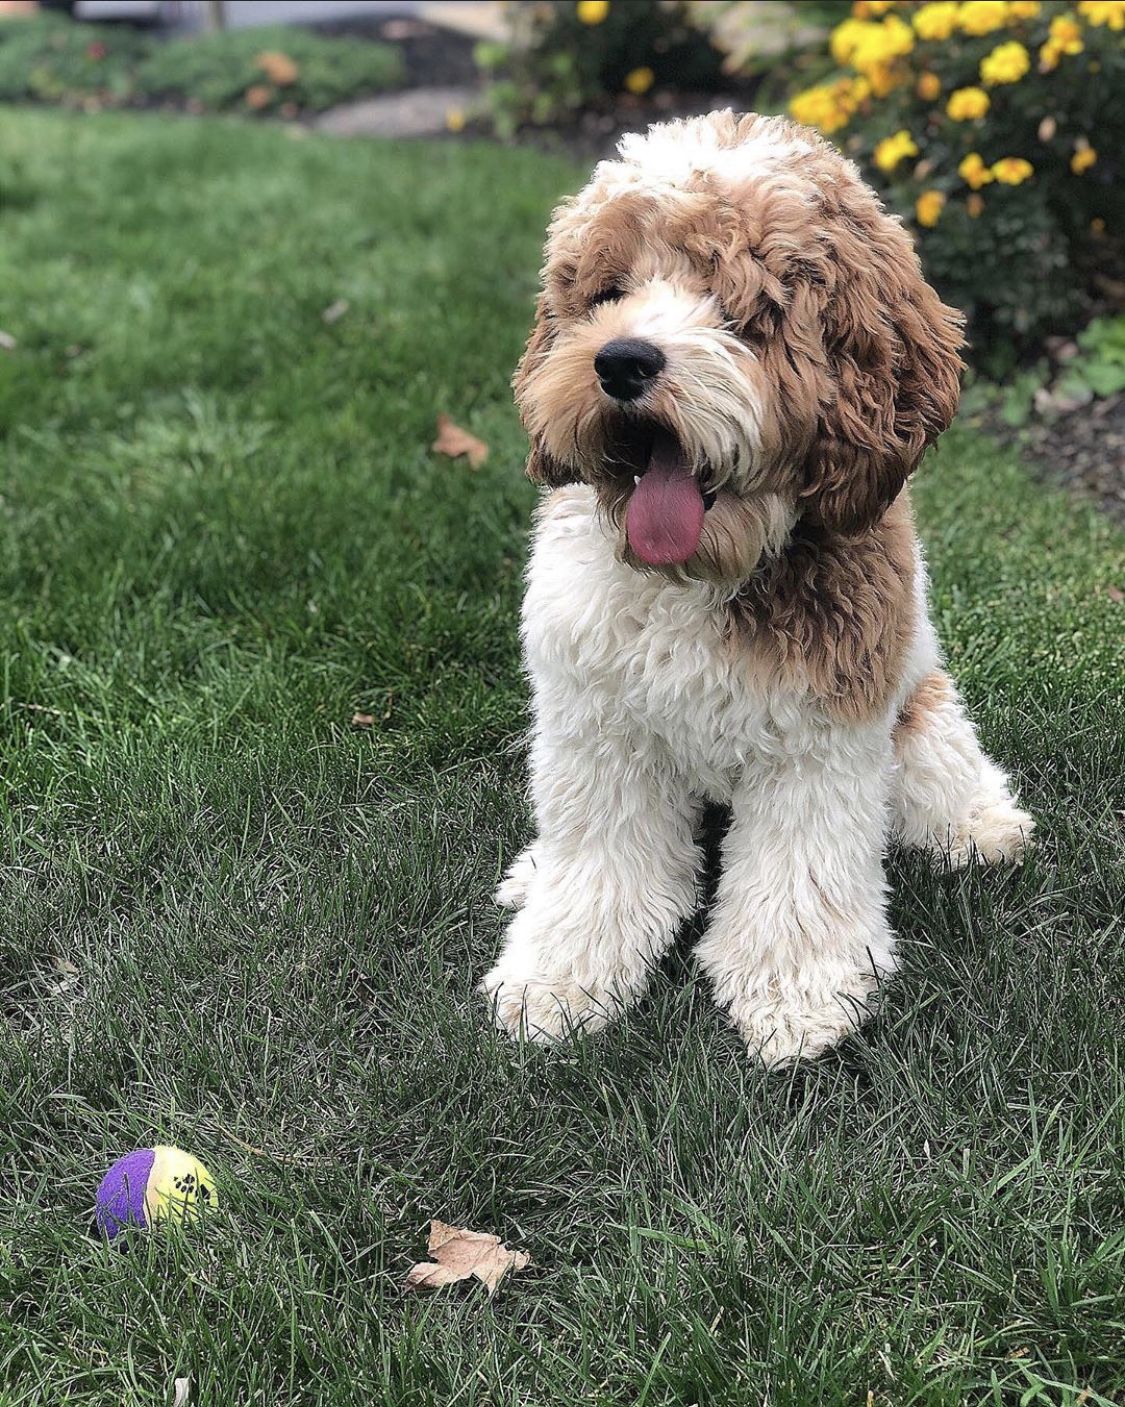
(455, 119)
(829, 106)
(982, 16)
(937, 21)
(928, 87)
(844, 39)
(1083, 159)
(885, 78)
(1066, 34)
(967, 104)
(975, 206)
(928, 208)
(891, 150)
(639, 80)
(974, 172)
(1012, 170)
(1023, 9)
(868, 46)
(863, 9)
(592, 11)
(1006, 64)
(1099, 12)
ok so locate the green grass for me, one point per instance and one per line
(232, 922)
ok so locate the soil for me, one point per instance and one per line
(1083, 452)
(433, 57)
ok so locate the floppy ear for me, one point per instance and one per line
(893, 356)
(542, 468)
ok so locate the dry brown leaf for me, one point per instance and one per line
(363, 720)
(459, 1254)
(455, 442)
(396, 31)
(335, 311)
(258, 96)
(1115, 594)
(8, 342)
(279, 68)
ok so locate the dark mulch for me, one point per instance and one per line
(1083, 451)
(432, 57)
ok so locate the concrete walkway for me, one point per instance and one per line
(417, 112)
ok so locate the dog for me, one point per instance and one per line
(735, 366)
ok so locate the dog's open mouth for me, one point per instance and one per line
(664, 514)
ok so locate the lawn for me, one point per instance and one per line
(232, 921)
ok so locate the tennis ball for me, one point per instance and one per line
(151, 1185)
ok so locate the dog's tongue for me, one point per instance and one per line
(664, 517)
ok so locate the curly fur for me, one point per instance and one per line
(788, 667)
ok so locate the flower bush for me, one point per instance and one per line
(567, 56)
(49, 58)
(998, 130)
(266, 69)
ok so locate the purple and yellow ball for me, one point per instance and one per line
(151, 1185)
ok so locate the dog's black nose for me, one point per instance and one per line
(626, 365)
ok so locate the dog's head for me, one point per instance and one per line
(732, 336)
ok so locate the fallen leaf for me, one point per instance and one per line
(335, 311)
(258, 96)
(182, 1392)
(1115, 594)
(8, 342)
(279, 68)
(398, 30)
(459, 1254)
(363, 720)
(454, 442)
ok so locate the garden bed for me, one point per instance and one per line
(270, 70)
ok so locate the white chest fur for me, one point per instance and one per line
(613, 649)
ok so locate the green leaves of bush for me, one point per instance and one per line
(50, 59)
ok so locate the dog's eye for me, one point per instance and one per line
(612, 293)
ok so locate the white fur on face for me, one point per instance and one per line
(710, 392)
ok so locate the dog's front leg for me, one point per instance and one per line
(607, 883)
(799, 937)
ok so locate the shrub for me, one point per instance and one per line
(49, 58)
(265, 68)
(998, 129)
(565, 57)
(53, 59)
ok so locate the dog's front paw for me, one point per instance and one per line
(996, 833)
(542, 1005)
(994, 829)
(548, 984)
(781, 1029)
